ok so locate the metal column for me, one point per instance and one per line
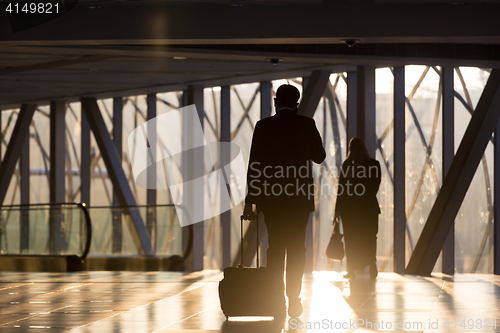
(265, 99)
(14, 148)
(84, 169)
(265, 112)
(57, 174)
(85, 160)
(366, 107)
(116, 174)
(448, 264)
(457, 180)
(57, 151)
(24, 166)
(399, 170)
(496, 205)
(118, 141)
(195, 96)
(151, 173)
(225, 158)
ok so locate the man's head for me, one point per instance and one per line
(287, 97)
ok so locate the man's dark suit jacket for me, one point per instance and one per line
(281, 153)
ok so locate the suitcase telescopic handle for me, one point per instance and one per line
(241, 233)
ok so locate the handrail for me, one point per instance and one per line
(89, 231)
(82, 206)
(189, 246)
(187, 249)
(138, 206)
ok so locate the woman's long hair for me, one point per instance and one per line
(357, 151)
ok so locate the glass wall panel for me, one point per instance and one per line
(134, 114)
(73, 152)
(384, 87)
(168, 230)
(213, 229)
(474, 222)
(423, 148)
(40, 155)
(245, 112)
(330, 120)
(473, 229)
(9, 118)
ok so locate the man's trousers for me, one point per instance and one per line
(286, 229)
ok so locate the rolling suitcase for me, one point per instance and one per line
(246, 291)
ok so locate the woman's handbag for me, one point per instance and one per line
(335, 249)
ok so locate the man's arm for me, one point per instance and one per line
(318, 153)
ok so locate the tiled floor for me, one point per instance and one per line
(104, 302)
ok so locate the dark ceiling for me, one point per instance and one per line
(114, 48)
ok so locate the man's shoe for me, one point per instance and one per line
(294, 307)
(350, 276)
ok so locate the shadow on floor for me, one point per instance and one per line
(272, 326)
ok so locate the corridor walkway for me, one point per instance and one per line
(169, 302)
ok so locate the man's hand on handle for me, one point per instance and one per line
(336, 217)
(248, 213)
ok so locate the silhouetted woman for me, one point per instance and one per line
(358, 208)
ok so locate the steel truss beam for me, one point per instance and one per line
(15, 147)
(314, 89)
(116, 174)
(458, 179)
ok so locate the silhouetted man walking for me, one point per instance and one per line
(280, 183)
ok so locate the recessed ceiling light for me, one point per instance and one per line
(180, 58)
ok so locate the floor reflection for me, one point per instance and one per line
(162, 302)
